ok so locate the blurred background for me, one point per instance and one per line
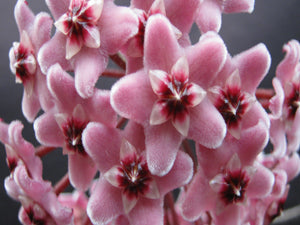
(273, 22)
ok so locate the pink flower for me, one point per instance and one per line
(39, 202)
(229, 177)
(86, 33)
(209, 13)
(63, 125)
(180, 15)
(126, 186)
(78, 202)
(34, 32)
(285, 132)
(165, 96)
(18, 150)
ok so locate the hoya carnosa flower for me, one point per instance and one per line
(79, 24)
(175, 96)
(18, 150)
(180, 15)
(166, 96)
(126, 186)
(40, 204)
(232, 103)
(63, 125)
(34, 32)
(213, 161)
(284, 105)
(209, 13)
(86, 33)
(232, 183)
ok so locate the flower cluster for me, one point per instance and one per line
(138, 135)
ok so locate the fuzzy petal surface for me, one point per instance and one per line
(162, 144)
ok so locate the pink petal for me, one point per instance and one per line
(141, 4)
(105, 203)
(101, 100)
(276, 102)
(102, 144)
(157, 57)
(236, 6)
(132, 97)
(47, 130)
(81, 170)
(253, 65)
(30, 105)
(24, 16)
(89, 65)
(208, 16)
(49, 54)
(181, 13)
(125, 24)
(41, 29)
(33, 188)
(161, 150)
(199, 198)
(261, 183)
(134, 133)
(287, 67)
(207, 126)
(278, 138)
(206, 59)
(180, 174)
(61, 86)
(58, 7)
(140, 213)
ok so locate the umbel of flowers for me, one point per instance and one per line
(169, 94)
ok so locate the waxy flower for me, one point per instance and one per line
(18, 150)
(180, 15)
(126, 186)
(166, 96)
(63, 125)
(40, 204)
(86, 33)
(79, 24)
(232, 103)
(175, 96)
(284, 105)
(34, 32)
(225, 181)
(209, 14)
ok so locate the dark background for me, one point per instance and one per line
(273, 22)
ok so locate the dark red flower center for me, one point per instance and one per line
(293, 101)
(134, 176)
(21, 64)
(33, 219)
(235, 184)
(175, 96)
(232, 105)
(72, 130)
